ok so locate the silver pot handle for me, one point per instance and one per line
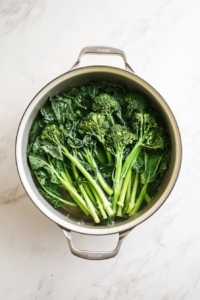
(102, 50)
(95, 255)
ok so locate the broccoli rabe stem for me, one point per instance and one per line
(126, 181)
(139, 200)
(147, 198)
(64, 176)
(123, 193)
(97, 188)
(86, 211)
(133, 194)
(68, 177)
(111, 120)
(117, 184)
(128, 193)
(108, 154)
(130, 158)
(90, 194)
(98, 199)
(90, 205)
(101, 180)
(101, 156)
(71, 190)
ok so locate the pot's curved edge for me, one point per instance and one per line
(95, 230)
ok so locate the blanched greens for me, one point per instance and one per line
(102, 143)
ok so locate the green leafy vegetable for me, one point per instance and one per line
(102, 143)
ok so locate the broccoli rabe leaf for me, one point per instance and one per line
(36, 147)
(116, 88)
(54, 150)
(94, 88)
(39, 161)
(47, 114)
(42, 146)
(59, 110)
(29, 148)
(62, 108)
(41, 176)
(161, 173)
(139, 163)
(151, 170)
(51, 195)
(36, 130)
(69, 113)
(118, 114)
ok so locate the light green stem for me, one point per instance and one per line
(83, 207)
(98, 189)
(147, 198)
(100, 153)
(111, 120)
(139, 200)
(133, 194)
(90, 205)
(124, 188)
(128, 193)
(90, 194)
(68, 176)
(85, 210)
(117, 183)
(108, 154)
(130, 158)
(98, 199)
(126, 180)
(124, 192)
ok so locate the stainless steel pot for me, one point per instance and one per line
(70, 220)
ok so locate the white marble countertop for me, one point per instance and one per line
(41, 39)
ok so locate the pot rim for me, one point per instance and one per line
(109, 229)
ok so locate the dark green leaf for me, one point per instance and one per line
(36, 130)
(52, 196)
(29, 148)
(139, 163)
(151, 171)
(59, 109)
(37, 161)
(53, 150)
(48, 115)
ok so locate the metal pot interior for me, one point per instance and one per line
(71, 218)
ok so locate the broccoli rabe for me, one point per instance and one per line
(54, 134)
(116, 141)
(104, 144)
(95, 124)
(150, 174)
(107, 105)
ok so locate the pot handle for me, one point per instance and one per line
(102, 50)
(95, 255)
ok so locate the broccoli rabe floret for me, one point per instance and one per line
(136, 102)
(107, 105)
(95, 124)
